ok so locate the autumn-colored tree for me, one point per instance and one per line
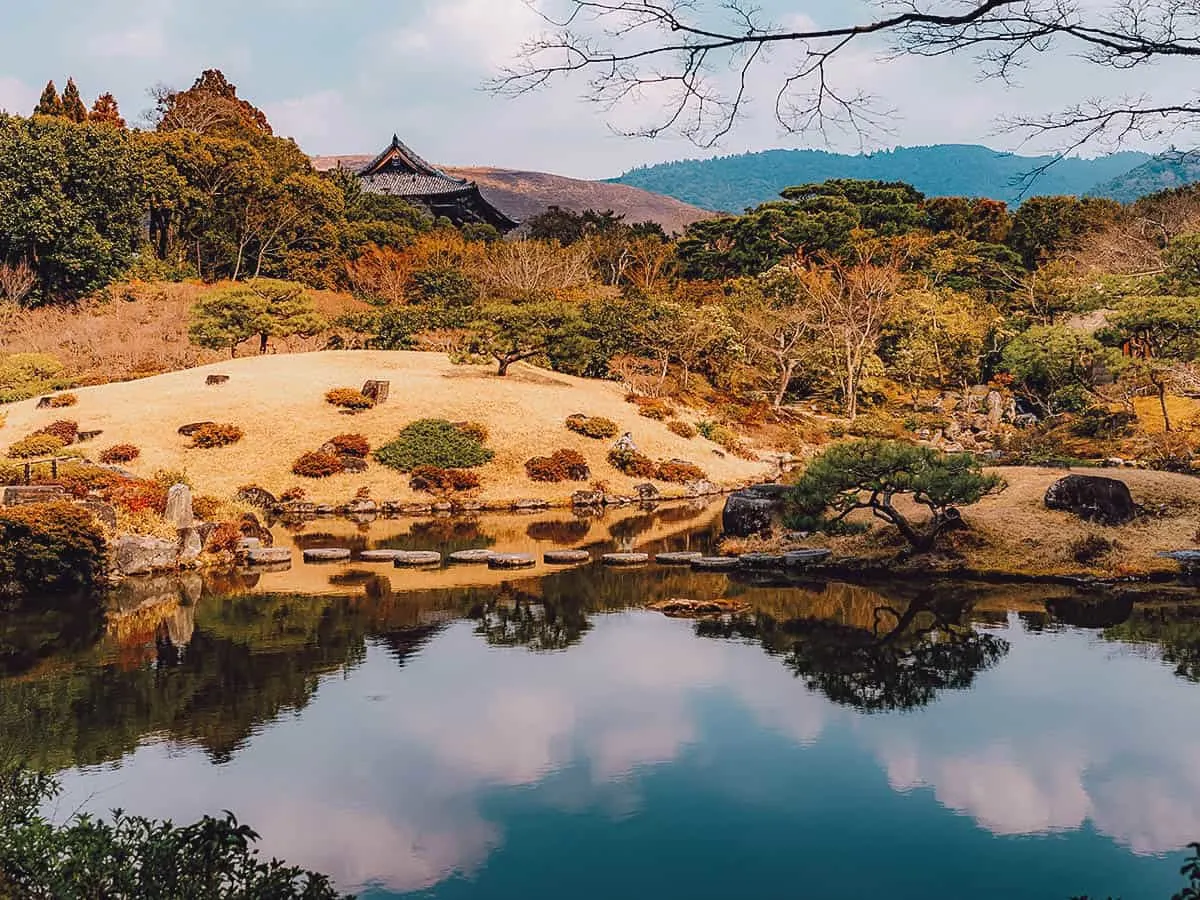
(72, 103)
(533, 270)
(211, 106)
(106, 112)
(49, 104)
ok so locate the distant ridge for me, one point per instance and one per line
(733, 183)
(1167, 170)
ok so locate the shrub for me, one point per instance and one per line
(64, 430)
(1087, 550)
(433, 442)
(35, 445)
(595, 427)
(652, 408)
(349, 398)
(50, 547)
(632, 463)
(137, 496)
(209, 437)
(317, 465)
(62, 401)
(25, 375)
(474, 430)
(351, 445)
(224, 538)
(677, 471)
(726, 437)
(875, 426)
(683, 429)
(11, 473)
(206, 508)
(120, 453)
(442, 482)
(295, 494)
(563, 465)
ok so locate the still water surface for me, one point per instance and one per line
(462, 734)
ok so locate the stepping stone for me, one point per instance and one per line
(762, 560)
(798, 559)
(249, 543)
(716, 563)
(625, 559)
(379, 556)
(685, 558)
(266, 556)
(411, 559)
(511, 561)
(326, 554)
(566, 557)
(471, 557)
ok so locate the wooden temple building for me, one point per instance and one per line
(399, 172)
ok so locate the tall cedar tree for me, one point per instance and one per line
(72, 103)
(50, 104)
(105, 111)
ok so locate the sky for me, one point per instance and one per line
(341, 76)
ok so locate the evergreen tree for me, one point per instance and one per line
(106, 111)
(72, 103)
(49, 104)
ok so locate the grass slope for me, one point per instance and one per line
(278, 400)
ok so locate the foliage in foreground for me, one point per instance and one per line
(133, 858)
(870, 474)
(49, 547)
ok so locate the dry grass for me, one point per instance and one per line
(278, 400)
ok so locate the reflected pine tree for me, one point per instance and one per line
(517, 619)
(1174, 628)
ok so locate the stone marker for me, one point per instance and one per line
(566, 557)
(411, 559)
(471, 557)
(511, 561)
(326, 554)
(684, 558)
(384, 556)
(716, 563)
(19, 495)
(377, 391)
(179, 507)
(625, 559)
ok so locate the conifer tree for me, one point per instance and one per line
(72, 103)
(49, 104)
(106, 111)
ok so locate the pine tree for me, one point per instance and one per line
(49, 104)
(72, 104)
(106, 111)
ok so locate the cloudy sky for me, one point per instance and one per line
(342, 76)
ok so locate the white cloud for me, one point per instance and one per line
(17, 97)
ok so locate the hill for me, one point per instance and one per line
(1165, 171)
(278, 400)
(733, 183)
(522, 195)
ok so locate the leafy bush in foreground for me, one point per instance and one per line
(433, 442)
(49, 547)
(632, 463)
(61, 401)
(595, 427)
(676, 471)
(120, 453)
(351, 445)
(66, 431)
(36, 445)
(442, 482)
(349, 398)
(685, 430)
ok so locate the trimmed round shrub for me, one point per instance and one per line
(563, 465)
(209, 437)
(684, 429)
(595, 427)
(62, 401)
(433, 442)
(351, 445)
(632, 463)
(317, 465)
(36, 445)
(440, 482)
(677, 471)
(11, 473)
(50, 547)
(120, 453)
(64, 430)
(651, 408)
(139, 496)
(349, 398)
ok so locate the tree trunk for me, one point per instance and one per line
(262, 343)
(785, 380)
(1162, 402)
(505, 362)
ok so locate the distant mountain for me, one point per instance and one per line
(733, 183)
(523, 195)
(1167, 170)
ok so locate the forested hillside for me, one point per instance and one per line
(1164, 172)
(735, 183)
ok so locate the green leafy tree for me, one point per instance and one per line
(72, 103)
(49, 104)
(1181, 260)
(512, 332)
(225, 317)
(1059, 368)
(1045, 226)
(887, 208)
(871, 474)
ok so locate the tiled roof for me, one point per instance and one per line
(401, 184)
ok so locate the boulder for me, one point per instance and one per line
(250, 527)
(511, 561)
(20, 495)
(140, 555)
(701, 489)
(752, 511)
(179, 506)
(798, 559)
(190, 545)
(566, 557)
(995, 408)
(1092, 498)
(257, 497)
(647, 493)
(105, 513)
(625, 559)
(355, 465)
(626, 443)
(216, 379)
(411, 559)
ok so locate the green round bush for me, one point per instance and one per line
(36, 445)
(433, 442)
(595, 427)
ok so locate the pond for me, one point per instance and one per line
(469, 733)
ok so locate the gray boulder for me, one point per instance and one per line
(1105, 501)
(179, 506)
(752, 511)
(139, 555)
(190, 546)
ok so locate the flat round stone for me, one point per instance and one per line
(511, 561)
(566, 557)
(326, 554)
(762, 560)
(379, 556)
(266, 556)
(799, 558)
(625, 559)
(685, 558)
(716, 563)
(471, 557)
(411, 559)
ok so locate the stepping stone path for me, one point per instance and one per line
(716, 563)
(762, 560)
(267, 556)
(566, 557)
(326, 554)
(625, 559)
(798, 559)
(678, 559)
(511, 561)
(411, 559)
(471, 557)
(379, 556)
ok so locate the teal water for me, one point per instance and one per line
(425, 743)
